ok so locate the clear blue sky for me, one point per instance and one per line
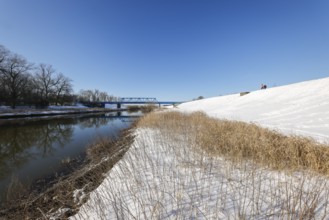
(172, 49)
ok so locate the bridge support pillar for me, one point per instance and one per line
(119, 105)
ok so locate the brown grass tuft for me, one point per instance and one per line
(102, 156)
(240, 140)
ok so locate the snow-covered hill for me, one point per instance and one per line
(162, 177)
(301, 108)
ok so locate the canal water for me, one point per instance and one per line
(33, 148)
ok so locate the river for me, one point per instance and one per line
(34, 148)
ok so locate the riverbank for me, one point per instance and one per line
(6, 113)
(191, 166)
(174, 170)
(38, 153)
(61, 193)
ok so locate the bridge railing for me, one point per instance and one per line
(137, 99)
(130, 100)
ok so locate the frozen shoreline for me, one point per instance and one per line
(160, 177)
(52, 112)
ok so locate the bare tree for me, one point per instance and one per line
(103, 96)
(94, 96)
(16, 82)
(85, 95)
(44, 80)
(62, 88)
(15, 76)
(4, 53)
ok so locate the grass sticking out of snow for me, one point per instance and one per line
(175, 169)
(64, 197)
(240, 140)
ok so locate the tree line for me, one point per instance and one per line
(24, 83)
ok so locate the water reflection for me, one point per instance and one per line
(17, 142)
(30, 149)
(94, 122)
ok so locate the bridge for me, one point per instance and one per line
(122, 118)
(138, 101)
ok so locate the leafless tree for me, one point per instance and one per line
(52, 86)
(94, 96)
(44, 80)
(62, 88)
(4, 53)
(85, 95)
(15, 75)
(17, 84)
(103, 96)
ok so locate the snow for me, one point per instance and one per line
(7, 112)
(77, 106)
(300, 108)
(111, 106)
(161, 177)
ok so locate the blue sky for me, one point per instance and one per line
(173, 50)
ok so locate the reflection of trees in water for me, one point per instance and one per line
(17, 142)
(12, 148)
(93, 122)
(53, 135)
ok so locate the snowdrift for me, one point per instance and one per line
(299, 109)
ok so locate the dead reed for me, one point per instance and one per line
(240, 140)
(64, 197)
(186, 184)
(190, 166)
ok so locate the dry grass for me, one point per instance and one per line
(240, 140)
(179, 167)
(62, 198)
(191, 166)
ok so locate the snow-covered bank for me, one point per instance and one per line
(52, 111)
(165, 175)
(301, 108)
(162, 176)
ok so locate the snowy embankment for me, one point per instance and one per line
(7, 112)
(301, 108)
(165, 175)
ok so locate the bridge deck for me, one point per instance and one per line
(140, 102)
(131, 101)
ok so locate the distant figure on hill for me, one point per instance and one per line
(263, 86)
